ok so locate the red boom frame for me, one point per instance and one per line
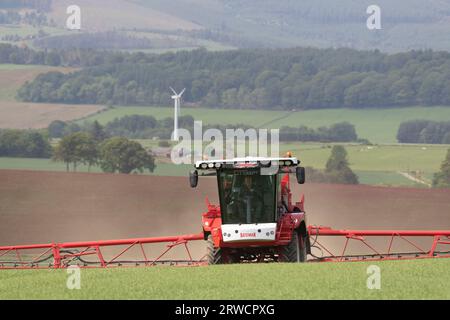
(68, 254)
(437, 237)
(62, 255)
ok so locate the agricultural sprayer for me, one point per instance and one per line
(256, 220)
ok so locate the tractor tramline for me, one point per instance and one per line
(256, 220)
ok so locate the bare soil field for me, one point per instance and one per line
(24, 115)
(41, 207)
(118, 14)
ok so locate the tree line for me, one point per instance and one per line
(296, 78)
(91, 147)
(24, 144)
(113, 155)
(424, 131)
(148, 127)
(339, 132)
(73, 57)
(106, 40)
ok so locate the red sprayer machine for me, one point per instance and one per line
(256, 220)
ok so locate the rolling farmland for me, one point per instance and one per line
(376, 125)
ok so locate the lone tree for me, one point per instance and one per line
(124, 156)
(77, 148)
(56, 129)
(442, 178)
(97, 131)
(338, 168)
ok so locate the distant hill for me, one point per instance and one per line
(43, 5)
(406, 24)
(225, 24)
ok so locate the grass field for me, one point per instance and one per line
(426, 279)
(425, 158)
(377, 125)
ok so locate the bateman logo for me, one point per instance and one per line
(248, 234)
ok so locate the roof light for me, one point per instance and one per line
(204, 165)
(265, 163)
(217, 165)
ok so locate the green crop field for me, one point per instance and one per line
(424, 279)
(376, 125)
(425, 158)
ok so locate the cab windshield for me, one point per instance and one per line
(246, 196)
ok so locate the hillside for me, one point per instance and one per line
(222, 24)
(406, 24)
(376, 125)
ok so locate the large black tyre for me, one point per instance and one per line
(213, 255)
(296, 250)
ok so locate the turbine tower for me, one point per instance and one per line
(177, 100)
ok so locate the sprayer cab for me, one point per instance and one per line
(256, 216)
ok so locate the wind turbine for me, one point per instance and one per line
(177, 101)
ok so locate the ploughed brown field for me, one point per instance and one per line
(24, 115)
(41, 207)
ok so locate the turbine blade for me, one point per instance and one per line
(181, 93)
(173, 91)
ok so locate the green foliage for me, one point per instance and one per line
(338, 169)
(339, 132)
(59, 129)
(298, 78)
(97, 131)
(124, 156)
(138, 126)
(77, 148)
(442, 178)
(56, 129)
(147, 127)
(24, 143)
(163, 144)
(424, 131)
